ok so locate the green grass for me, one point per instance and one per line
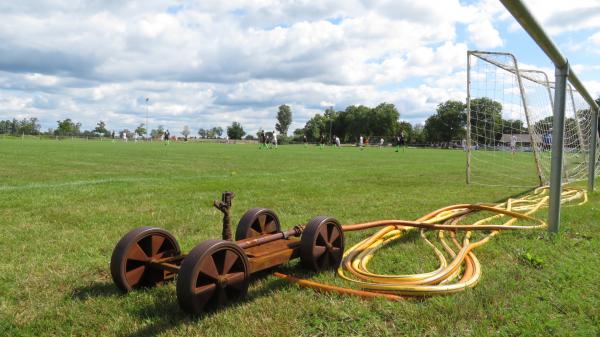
(65, 204)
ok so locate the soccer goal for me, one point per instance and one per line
(510, 124)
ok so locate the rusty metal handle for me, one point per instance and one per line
(224, 205)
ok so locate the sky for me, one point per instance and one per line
(209, 63)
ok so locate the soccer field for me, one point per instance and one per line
(65, 204)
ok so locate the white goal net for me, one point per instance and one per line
(509, 126)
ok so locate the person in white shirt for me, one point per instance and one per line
(125, 137)
(337, 141)
(275, 139)
(513, 144)
(360, 142)
(381, 142)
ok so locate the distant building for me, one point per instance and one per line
(523, 139)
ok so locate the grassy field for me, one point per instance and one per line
(65, 204)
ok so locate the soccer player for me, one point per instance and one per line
(400, 141)
(275, 139)
(262, 139)
(381, 142)
(322, 141)
(463, 143)
(125, 137)
(305, 141)
(513, 144)
(360, 142)
(167, 135)
(337, 141)
(547, 139)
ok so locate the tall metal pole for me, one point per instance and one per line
(592, 150)
(468, 117)
(147, 117)
(560, 92)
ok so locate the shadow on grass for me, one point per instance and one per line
(96, 289)
(164, 312)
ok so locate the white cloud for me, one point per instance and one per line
(209, 63)
(484, 35)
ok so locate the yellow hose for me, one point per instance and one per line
(462, 271)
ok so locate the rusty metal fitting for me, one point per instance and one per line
(224, 205)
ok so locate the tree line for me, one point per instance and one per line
(447, 124)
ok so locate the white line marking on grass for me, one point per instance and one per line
(70, 183)
(77, 183)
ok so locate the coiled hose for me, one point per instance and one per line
(462, 271)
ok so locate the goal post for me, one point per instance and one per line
(563, 76)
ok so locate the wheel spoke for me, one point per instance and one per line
(135, 275)
(230, 259)
(335, 256)
(270, 226)
(221, 296)
(262, 220)
(204, 293)
(236, 280)
(137, 253)
(322, 234)
(252, 232)
(336, 252)
(335, 233)
(318, 251)
(209, 268)
(157, 242)
(324, 261)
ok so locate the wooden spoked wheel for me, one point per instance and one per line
(256, 222)
(130, 263)
(214, 273)
(322, 244)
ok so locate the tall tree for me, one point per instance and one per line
(235, 131)
(448, 123)
(486, 120)
(26, 126)
(140, 130)
(202, 132)
(407, 128)
(419, 134)
(157, 132)
(186, 131)
(68, 128)
(101, 128)
(315, 127)
(353, 122)
(284, 119)
(217, 131)
(384, 119)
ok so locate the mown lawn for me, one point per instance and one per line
(65, 204)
